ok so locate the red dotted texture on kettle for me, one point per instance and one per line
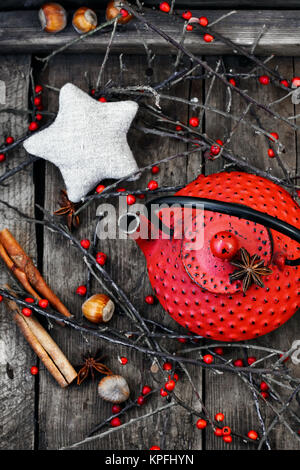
(193, 286)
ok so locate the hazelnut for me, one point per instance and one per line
(114, 8)
(98, 308)
(53, 17)
(84, 20)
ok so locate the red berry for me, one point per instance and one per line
(286, 359)
(227, 439)
(116, 409)
(189, 27)
(1, 298)
(37, 101)
(121, 190)
(124, 12)
(33, 126)
(238, 363)
(165, 7)
(226, 431)
(9, 140)
(163, 392)
(141, 400)
(29, 300)
(85, 243)
(232, 81)
(130, 199)
(201, 424)
(149, 299)
(100, 188)
(219, 417)
(34, 370)
(155, 169)
(208, 358)
(178, 128)
(115, 422)
(219, 351)
(152, 185)
(284, 83)
(265, 395)
(39, 108)
(43, 303)
(146, 390)
(167, 366)
(296, 82)
(176, 377)
(154, 448)
(271, 153)
(274, 135)
(123, 361)
(38, 117)
(141, 196)
(252, 435)
(264, 80)
(38, 88)
(81, 290)
(208, 37)
(101, 258)
(93, 91)
(102, 99)
(187, 15)
(182, 340)
(2, 157)
(194, 121)
(251, 360)
(218, 432)
(170, 385)
(27, 312)
(203, 21)
(264, 386)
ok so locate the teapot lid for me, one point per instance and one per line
(209, 271)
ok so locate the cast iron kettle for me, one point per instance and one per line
(243, 281)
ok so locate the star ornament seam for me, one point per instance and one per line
(87, 141)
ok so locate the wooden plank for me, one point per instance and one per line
(22, 33)
(24, 4)
(17, 395)
(226, 392)
(68, 415)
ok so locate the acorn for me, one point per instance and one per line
(98, 308)
(113, 388)
(84, 20)
(114, 8)
(53, 17)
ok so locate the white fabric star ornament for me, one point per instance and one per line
(87, 141)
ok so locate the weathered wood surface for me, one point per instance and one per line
(33, 4)
(73, 412)
(22, 33)
(65, 416)
(224, 390)
(17, 386)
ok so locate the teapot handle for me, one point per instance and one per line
(230, 208)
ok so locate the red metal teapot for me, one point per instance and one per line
(243, 280)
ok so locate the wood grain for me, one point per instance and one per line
(17, 397)
(227, 393)
(67, 416)
(22, 33)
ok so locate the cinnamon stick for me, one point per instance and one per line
(44, 346)
(25, 271)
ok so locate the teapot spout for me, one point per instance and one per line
(139, 229)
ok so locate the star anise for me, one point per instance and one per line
(68, 209)
(90, 364)
(250, 269)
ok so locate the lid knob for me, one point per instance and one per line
(224, 245)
